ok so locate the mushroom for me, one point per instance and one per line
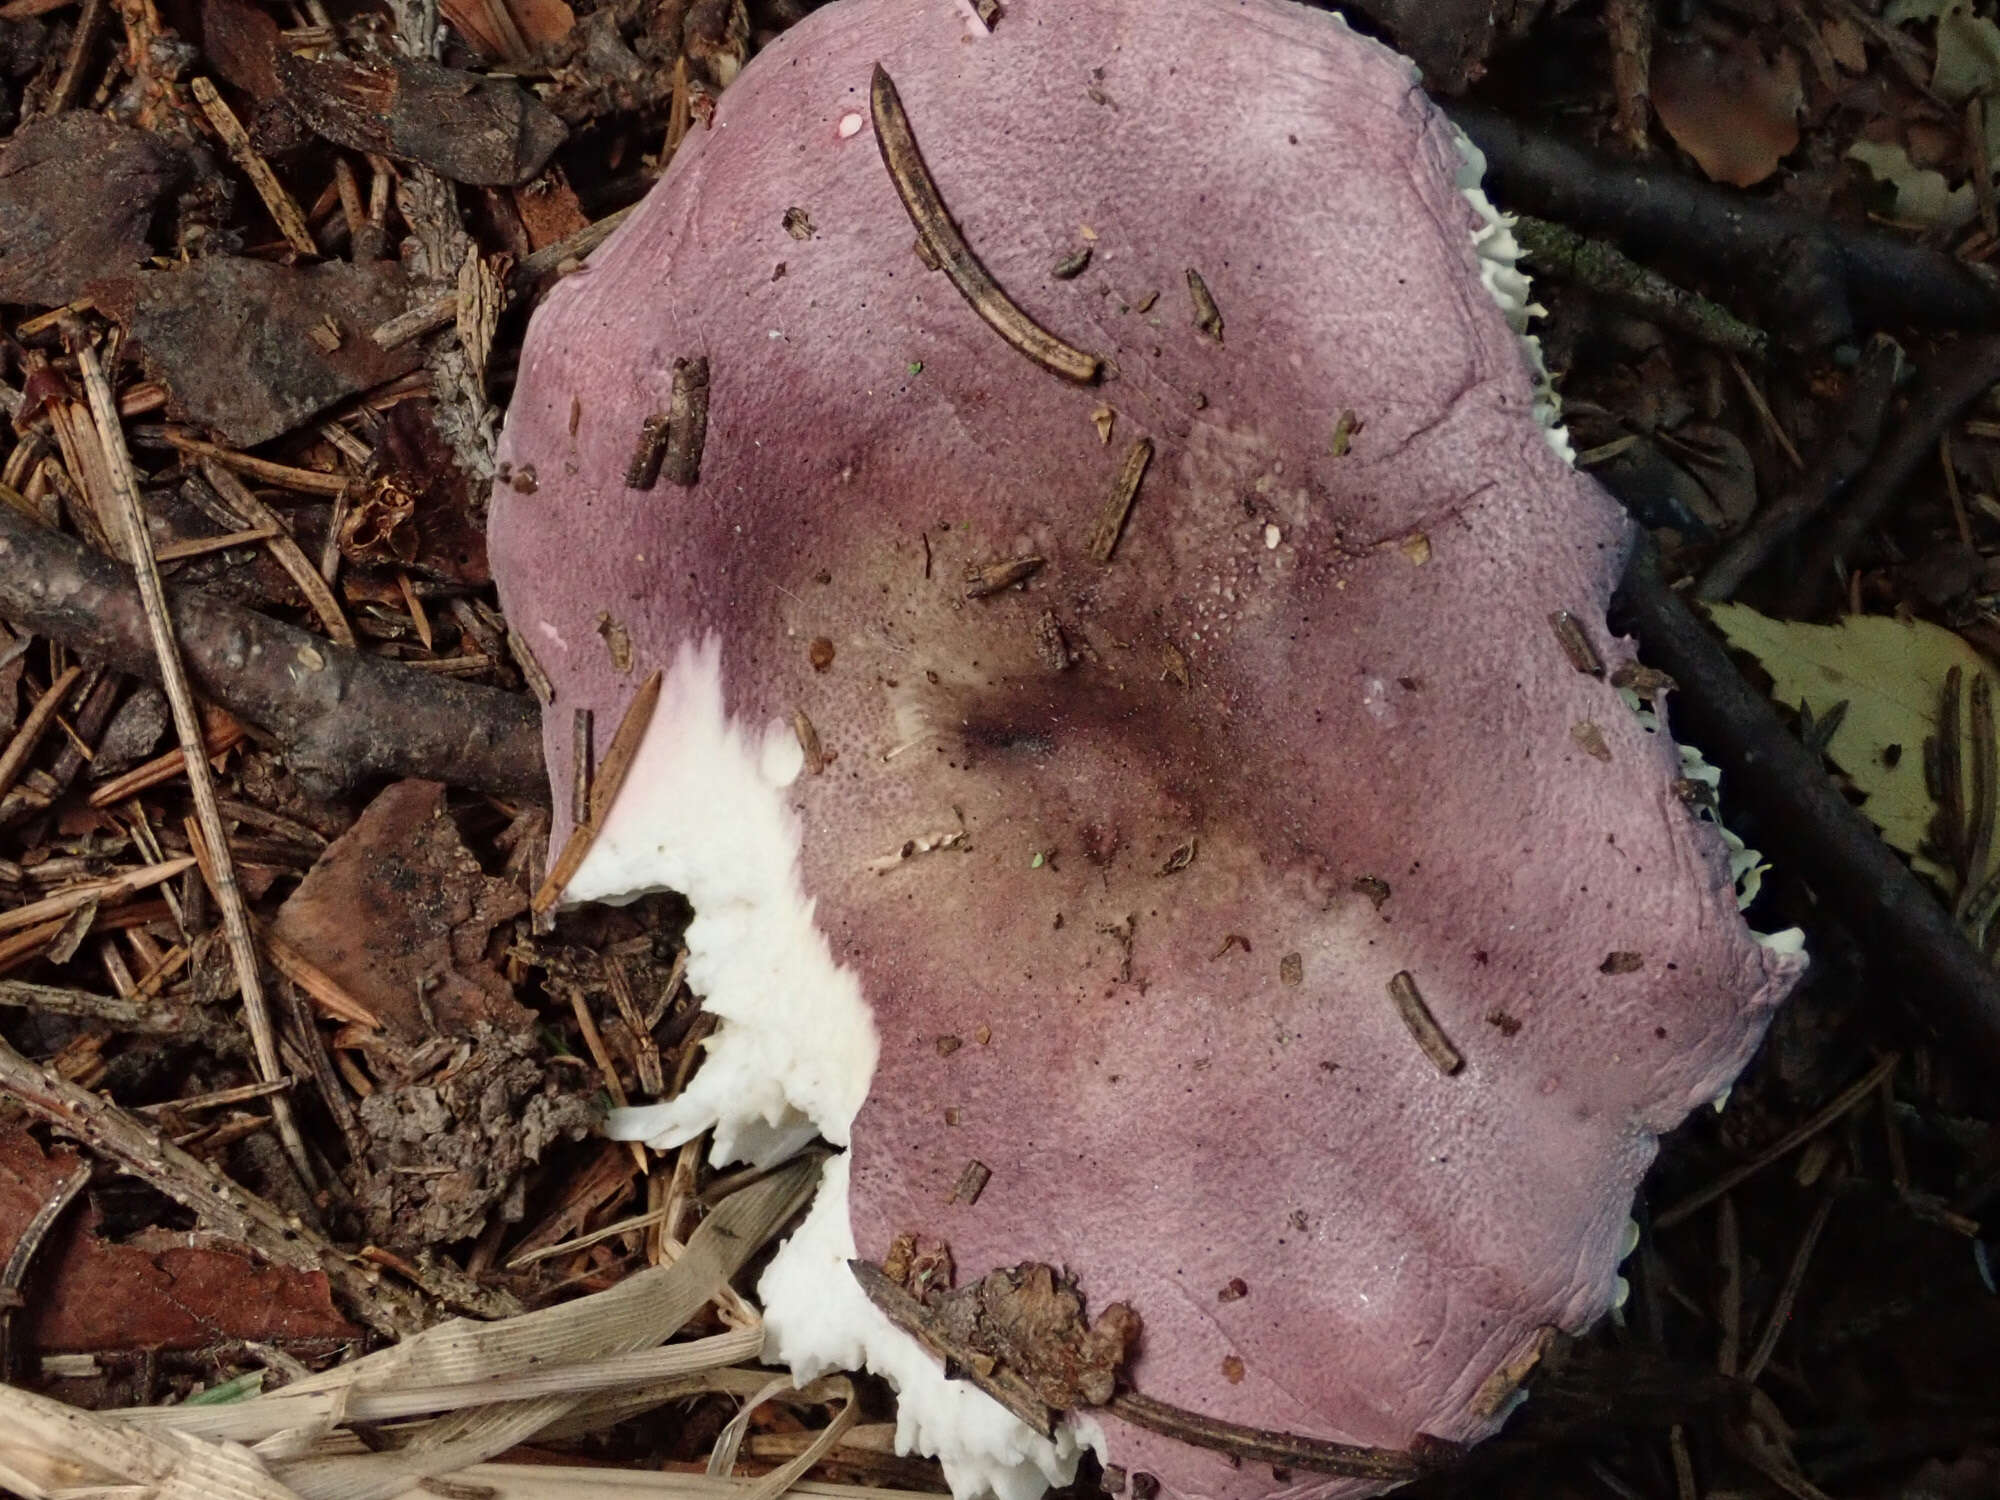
(1138, 732)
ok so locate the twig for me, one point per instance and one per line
(1767, 418)
(1258, 1445)
(1600, 267)
(83, 42)
(1885, 279)
(100, 892)
(285, 476)
(935, 228)
(1958, 378)
(135, 1013)
(1856, 431)
(140, 1150)
(1788, 1294)
(236, 140)
(1423, 1027)
(224, 735)
(342, 717)
(1783, 1146)
(1729, 1293)
(1110, 523)
(1630, 25)
(237, 496)
(1806, 821)
(22, 747)
(220, 865)
(603, 792)
(15, 1273)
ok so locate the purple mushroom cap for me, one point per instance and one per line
(1305, 946)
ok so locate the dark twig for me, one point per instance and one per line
(1287, 1450)
(1865, 276)
(341, 716)
(1805, 820)
(1958, 377)
(1857, 429)
(941, 236)
(1557, 250)
(15, 1273)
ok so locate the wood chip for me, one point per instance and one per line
(982, 579)
(1416, 1015)
(971, 1183)
(1207, 316)
(1575, 644)
(1111, 520)
(687, 423)
(643, 472)
(815, 753)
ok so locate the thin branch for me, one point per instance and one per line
(1958, 377)
(220, 865)
(1865, 276)
(343, 718)
(1805, 820)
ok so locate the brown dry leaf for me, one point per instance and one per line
(1733, 111)
(79, 197)
(398, 906)
(161, 1290)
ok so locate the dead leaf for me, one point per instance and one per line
(79, 197)
(1923, 198)
(1733, 111)
(1031, 1323)
(1890, 673)
(1968, 55)
(160, 1290)
(398, 912)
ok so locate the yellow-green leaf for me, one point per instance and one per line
(1891, 675)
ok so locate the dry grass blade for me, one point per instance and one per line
(187, 724)
(254, 1420)
(638, 1313)
(535, 1482)
(48, 1449)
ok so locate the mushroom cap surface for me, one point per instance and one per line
(1100, 879)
